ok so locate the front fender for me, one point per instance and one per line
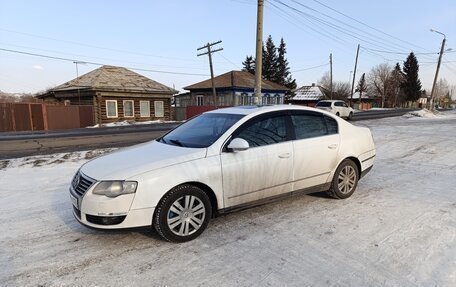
(152, 186)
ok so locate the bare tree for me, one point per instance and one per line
(341, 90)
(379, 81)
(442, 92)
(397, 79)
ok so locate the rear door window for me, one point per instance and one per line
(310, 125)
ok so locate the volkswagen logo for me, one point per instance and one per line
(76, 180)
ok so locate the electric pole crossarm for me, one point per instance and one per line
(209, 52)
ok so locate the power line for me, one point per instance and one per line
(362, 23)
(98, 64)
(400, 53)
(94, 46)
(310, 68)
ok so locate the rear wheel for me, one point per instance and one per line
(345, 180)
(337, 114)
(350, 116)
(182, 214)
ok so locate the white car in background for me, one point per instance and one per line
(337, 107)
(220, 161)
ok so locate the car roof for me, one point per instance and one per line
(247, 110)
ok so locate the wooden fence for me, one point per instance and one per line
(16, 117)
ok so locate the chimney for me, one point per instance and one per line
(313, 84)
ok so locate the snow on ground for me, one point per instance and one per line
(129, 123)
(424, 113)
(398, 229)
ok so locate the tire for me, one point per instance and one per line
(337, 114)
(350, 116)
(345, 180)
(182, 214)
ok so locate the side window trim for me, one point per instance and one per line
(252, 121)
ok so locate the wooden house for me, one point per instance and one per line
(116, 94)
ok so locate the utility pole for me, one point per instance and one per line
(77, 79)
(331, 74)
(259, 52)
(209, 53)
(354, 76)
(438, 67)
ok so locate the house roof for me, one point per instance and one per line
(236, 79)
(364, 96)
(308, 93)
(114, 79)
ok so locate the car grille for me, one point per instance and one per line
(81, 183)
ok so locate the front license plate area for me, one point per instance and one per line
(74, 200)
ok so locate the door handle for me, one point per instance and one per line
(332, 146)
(284, 155)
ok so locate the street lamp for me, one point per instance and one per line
(438, 67)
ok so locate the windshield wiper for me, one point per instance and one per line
(177, 142)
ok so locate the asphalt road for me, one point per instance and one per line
(21, 144)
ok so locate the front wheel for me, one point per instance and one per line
(345, 180)
(183, 214)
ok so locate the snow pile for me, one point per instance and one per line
(52, 159)
(129, 123)
(424, 113)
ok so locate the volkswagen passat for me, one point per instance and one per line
(221, 161)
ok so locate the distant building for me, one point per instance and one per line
(308, 95)
(234, 88)
(116, 94)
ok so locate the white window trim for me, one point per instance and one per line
(141, 111)
(155, 109)
(198, 97)
(132, 108)
(107, 110)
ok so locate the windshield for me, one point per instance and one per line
(201, 131)
(323, 104)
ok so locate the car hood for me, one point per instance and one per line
(128, 162)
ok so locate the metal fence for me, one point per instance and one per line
(35, 117)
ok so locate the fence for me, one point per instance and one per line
(34, 117)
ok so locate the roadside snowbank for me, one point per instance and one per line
(424, 113)
(130, 123)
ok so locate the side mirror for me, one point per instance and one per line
(238, 144)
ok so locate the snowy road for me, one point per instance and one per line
(398, 229)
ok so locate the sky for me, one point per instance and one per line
(159, 39)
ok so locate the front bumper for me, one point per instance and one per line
(101, 212)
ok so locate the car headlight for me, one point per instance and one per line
(115, 188)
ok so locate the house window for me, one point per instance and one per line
(144, 109)
(221, 100)
(200, 100)
(159, 109)
(128, 107)
(111, 109)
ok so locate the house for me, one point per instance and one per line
(363, 101)
(116, 94)
(234, 88)
(308, 95)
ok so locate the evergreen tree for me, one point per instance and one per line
(275, 65)
(283, 75)
(412, 84)
(362, 86)
(397, 80)
(249, 65)
(269, 60)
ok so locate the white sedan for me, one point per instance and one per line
(220, 161)
(337, 107)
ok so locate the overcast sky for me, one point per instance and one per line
(163, 36)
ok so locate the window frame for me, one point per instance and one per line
(163, 109)
(140, 109)
(312, 113)
(107, 109)
(198, 99)
(254, 120)
(132, 108)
